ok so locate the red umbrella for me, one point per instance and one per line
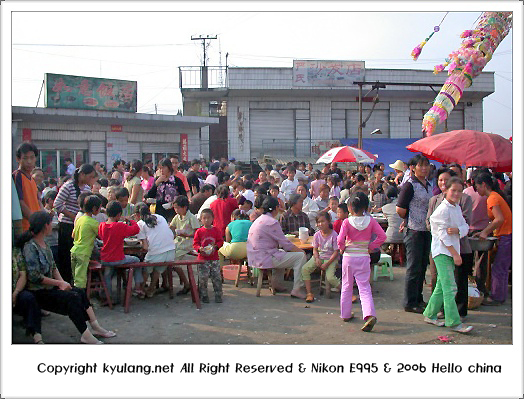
(347, 154)
(467, 147)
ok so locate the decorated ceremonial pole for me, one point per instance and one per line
(465, 64)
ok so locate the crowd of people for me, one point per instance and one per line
(215, 211)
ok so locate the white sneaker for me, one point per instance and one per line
(435, 322)
(461, 328)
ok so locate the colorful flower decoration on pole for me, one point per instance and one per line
(467, 63)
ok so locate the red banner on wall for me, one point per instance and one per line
(116, 128)
(26, 135)
(184, 152)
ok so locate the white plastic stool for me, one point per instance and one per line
(383, 268)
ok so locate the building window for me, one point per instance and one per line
(52, 161)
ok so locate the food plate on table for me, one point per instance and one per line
(131, 241)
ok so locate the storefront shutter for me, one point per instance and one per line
(271, 131)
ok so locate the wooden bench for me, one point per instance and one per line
(170, 265)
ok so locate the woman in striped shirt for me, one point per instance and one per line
(66, 205)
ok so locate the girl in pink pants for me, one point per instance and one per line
(355, 242)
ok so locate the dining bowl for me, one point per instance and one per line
(482, 245)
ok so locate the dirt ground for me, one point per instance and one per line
(245, 319)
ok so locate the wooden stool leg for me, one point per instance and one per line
(88, 286)
(327, 287)
(106, 291)
(259, 284)
(238, 273)
(127, 300)
(194, 289)
(170, 281)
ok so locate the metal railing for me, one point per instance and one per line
(302, 148)
(200, 77)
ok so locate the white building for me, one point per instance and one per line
(104, 136)
(268, 113)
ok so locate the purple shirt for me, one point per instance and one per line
(325, 245)
(479, 212)
(263, 241)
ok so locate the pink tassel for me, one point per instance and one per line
(417, 50)
(466, 33)
(438, 68)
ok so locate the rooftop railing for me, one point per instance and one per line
(200, 77)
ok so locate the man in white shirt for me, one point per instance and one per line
(309, 207)
(70, 167)
(206, 205)
(248, 193)
(289, 186)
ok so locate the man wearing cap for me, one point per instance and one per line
(399, 167)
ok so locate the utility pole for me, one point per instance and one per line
(203, 38)
(203, 69)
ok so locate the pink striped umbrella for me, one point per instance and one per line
(347, 154)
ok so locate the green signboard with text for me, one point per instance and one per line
(80, 92)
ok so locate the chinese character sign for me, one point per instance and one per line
(184, 151)
(327, 73)
(67, 91)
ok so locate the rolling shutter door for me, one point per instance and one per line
(379, 120)
(455, 121)
(271, 129)
(168, 148)
(338, 123)
(133, 151)
(303, 133)
(415, 123)
(97, 151)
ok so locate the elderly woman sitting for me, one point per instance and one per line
(264, 240)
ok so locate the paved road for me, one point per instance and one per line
(246, 319)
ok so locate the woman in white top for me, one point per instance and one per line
(133, 183)
(447, 227)
(158, 239)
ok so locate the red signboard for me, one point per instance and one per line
(26, 134)
(116, 128)
(184, 152)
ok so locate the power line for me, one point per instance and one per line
(92, 59)
(100, 45)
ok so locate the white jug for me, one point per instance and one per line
(303, 234)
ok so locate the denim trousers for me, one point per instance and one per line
(109, 271)
(418, 247)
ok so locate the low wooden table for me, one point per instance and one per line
(170, 265)
(307, 246)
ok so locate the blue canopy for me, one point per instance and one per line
(388, 150)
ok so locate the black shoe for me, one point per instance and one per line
(423, 304)
(414, 309)
(205, 299)
(218, 298)
(183, 291)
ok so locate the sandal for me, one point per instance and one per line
(108, 334)
(368, 325)
(310, 297)
(139, 294)
(183, 291)
(349, 318)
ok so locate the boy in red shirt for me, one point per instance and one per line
(112, 234)
(206, 242)
(342, 213)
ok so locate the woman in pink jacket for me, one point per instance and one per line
(355, 243)
(264, 240)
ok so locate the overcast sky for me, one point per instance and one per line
(149, 48)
